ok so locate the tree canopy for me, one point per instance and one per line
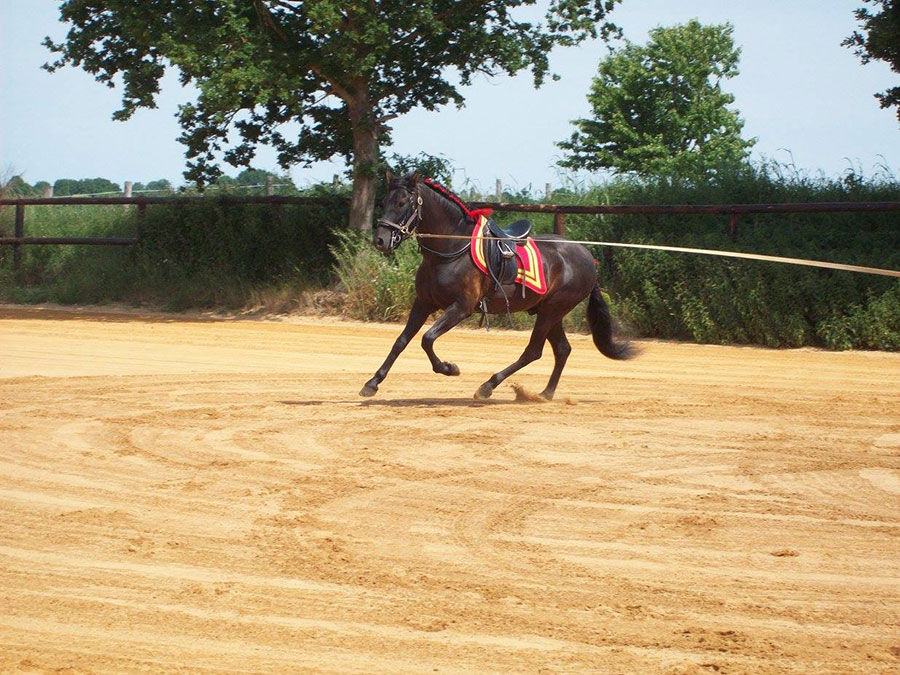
(159, 185)
(879, 40)
(659, 109)
(84, 186)
(340, 71)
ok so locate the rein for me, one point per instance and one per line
(446, 256)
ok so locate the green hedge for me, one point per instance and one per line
(212, 254)
(191, 253)
(716, 300)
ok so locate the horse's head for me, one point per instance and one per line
(401, 213)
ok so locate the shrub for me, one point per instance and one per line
(378, 287)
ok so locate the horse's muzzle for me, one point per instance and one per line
(386, 239)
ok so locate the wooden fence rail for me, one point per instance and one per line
(559, 211)
(19, 240)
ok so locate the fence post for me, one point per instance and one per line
(270, 186)
(548, 193)
(141, 216)
(499, 189)
(19, 233)
(48, 192)
(128, 186)
(559, 223)
(733, 226)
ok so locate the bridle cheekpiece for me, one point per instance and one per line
(402, 231)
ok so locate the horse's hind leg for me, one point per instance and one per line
(533, 351)
(561, 351)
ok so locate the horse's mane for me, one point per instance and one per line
(446, 193)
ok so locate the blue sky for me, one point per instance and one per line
(804, 97)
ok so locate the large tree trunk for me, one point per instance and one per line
(365, 158)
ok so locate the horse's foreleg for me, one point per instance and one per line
(417, 316)
(453, 315)
(532, 352)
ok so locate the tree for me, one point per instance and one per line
(434, 166)
(160, 185)
(881, 42)
(341, 70)
(85, 186)
(18, 187)
(659, 109)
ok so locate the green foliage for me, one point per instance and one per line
(249, 242)
(68, 273)
(432, 166)
(64, 187)
(191, 253)
(254, 178)
(86, 186)
(705, 299)
(17, 187)
(871, 324)
(659, 109)
(879, 40)
(378, 287)
(161, 185)
(341, 71)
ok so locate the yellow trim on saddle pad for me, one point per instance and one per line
(529, 259)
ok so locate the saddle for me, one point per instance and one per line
(500, 249)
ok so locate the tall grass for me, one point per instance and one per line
(378, 287)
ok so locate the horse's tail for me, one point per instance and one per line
(602, 328)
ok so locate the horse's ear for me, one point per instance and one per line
(414, 179)
(388, 176)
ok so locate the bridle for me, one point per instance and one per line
(400, 232)
(413, 216)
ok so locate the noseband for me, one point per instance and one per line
(404, 230)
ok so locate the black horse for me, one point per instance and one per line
(448, 279)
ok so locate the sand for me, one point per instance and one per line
(202, 495)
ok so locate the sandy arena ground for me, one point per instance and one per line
(205, 496)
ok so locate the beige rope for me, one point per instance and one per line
(703, 251)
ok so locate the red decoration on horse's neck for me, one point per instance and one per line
(471, 214)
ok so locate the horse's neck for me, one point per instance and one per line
(441, 216)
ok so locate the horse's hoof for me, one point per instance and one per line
(368, 390)
(484, 392)
(449, 369)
